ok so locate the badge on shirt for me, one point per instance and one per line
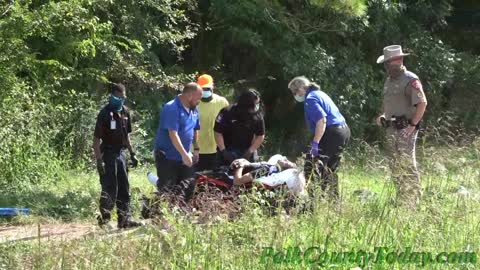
(113, 125)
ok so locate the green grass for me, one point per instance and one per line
(444, 222)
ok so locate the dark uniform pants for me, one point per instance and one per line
(174, 176)
(324, 167)
(115, 186)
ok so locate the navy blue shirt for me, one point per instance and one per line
(112, 127)
(175, 116)
(319, 105)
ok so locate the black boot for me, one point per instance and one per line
(103, 221)
(126, 223)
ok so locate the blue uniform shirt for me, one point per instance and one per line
(174, 116)
(319, 105)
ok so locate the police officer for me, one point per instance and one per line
(240, 129)
(177, 131)
(404, 104)
(111, 139)
(330, 132)
(209, 107)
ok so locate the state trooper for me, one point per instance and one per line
(404, 104)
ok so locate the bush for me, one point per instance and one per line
(57, 57)
(26, 156)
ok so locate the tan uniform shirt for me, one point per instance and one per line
(400, 95)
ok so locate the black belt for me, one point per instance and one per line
(391, 123)
(160, 153)
(114, 147)
(400, 122)
(344, 125)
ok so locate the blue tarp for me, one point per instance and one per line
(13, 211)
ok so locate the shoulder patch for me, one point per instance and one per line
(417, 85)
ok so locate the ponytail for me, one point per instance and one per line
(314, 86)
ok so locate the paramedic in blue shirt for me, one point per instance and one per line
(179, 125)
(330, 132)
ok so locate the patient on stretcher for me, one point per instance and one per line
(277, 171)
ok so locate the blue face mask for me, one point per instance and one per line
(206, 94)
(117, 103)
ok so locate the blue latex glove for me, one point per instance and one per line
(314, 149)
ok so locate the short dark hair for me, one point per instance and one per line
(190, 87)
(117, 87)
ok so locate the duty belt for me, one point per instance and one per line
(397, 122)
(112, 147)
(344, 125)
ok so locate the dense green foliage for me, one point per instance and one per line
(56, 57)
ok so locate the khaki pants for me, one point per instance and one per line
(402, 161)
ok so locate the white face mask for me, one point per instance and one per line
(299, 98)
(257, 107)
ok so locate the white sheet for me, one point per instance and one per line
(289, 177)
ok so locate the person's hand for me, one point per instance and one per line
(196, 156)
(235, 164)
(187, 160)
(227, 156)
(239, 163)
(379, 120)
(134, 160)
(314, 149)
(408, 131)
(243, 162)
(100, 167)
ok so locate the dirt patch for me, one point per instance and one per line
(45, 232)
